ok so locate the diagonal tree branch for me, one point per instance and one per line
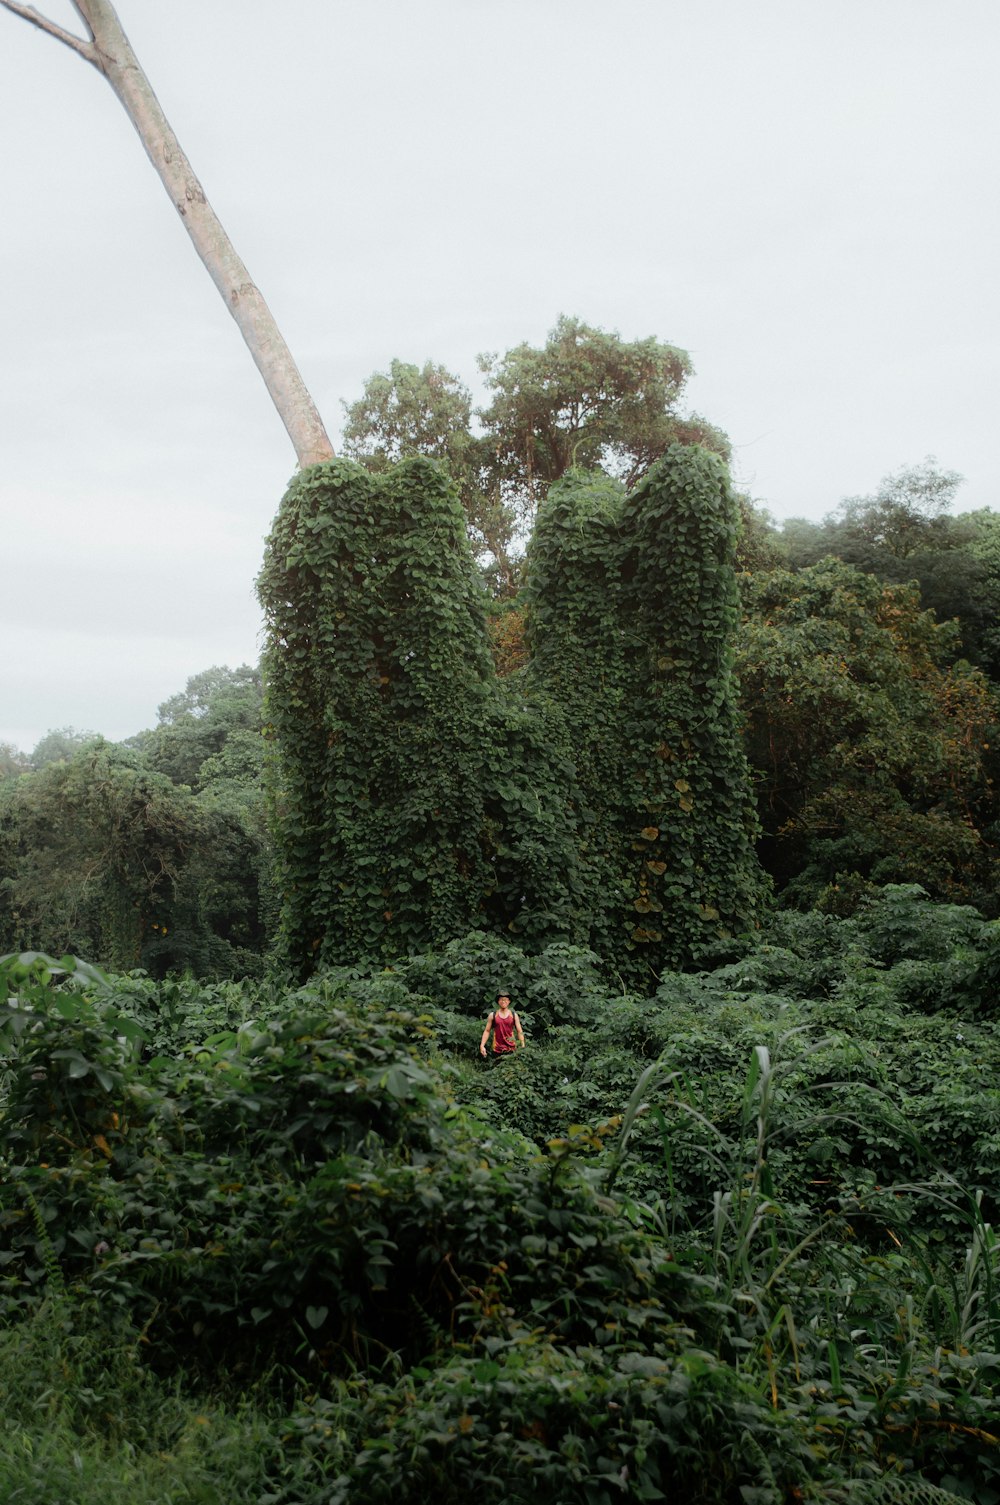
(83, 17)
(85, 49)
(111, 53)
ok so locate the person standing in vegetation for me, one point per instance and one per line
(503, 1021)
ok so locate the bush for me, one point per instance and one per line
(732, 1242)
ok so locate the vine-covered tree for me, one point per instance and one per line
(599, 796)
(632, 611)
(378, 673)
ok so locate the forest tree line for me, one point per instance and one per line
(867, 657)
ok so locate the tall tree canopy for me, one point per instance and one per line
(904, 531)
(587, 399)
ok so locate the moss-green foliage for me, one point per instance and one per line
(632, 613)
(379, 675)
(597, 796)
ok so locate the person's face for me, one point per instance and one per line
(503, 1003)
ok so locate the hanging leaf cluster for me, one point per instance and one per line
(597, 795)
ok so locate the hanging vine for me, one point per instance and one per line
(632, 611)
(379, 680)
(598, 794)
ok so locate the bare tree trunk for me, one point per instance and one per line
(110, 52)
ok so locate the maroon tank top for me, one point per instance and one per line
(503, 1033)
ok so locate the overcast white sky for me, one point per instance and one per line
(802, 193)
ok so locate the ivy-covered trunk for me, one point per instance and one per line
(633, 611)
(599, 796)
(379, 679)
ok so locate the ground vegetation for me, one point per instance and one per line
(735, 1242)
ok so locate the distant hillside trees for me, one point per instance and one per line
(154, 855)
(874, 750)
(904, 532)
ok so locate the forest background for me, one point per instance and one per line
(867, 658)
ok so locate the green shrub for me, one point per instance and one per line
(728, 1243)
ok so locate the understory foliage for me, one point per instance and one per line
(734, 1244)
(597, 795)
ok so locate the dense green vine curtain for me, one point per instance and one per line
(379, 676)
(633, 609)
(599, 795)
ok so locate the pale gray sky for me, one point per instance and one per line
(802, 193)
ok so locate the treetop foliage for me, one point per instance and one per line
(906, 505)
(12, 761)
(904, 532)
(58, 745)
(210, 692)
(586, 399)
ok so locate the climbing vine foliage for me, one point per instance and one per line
(598, 795)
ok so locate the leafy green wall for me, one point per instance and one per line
(632, 611)
(597, 795)
(379, 676)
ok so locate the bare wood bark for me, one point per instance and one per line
(110, 52)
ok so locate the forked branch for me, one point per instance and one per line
(85, 49)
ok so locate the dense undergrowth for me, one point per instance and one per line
(301, 1245)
